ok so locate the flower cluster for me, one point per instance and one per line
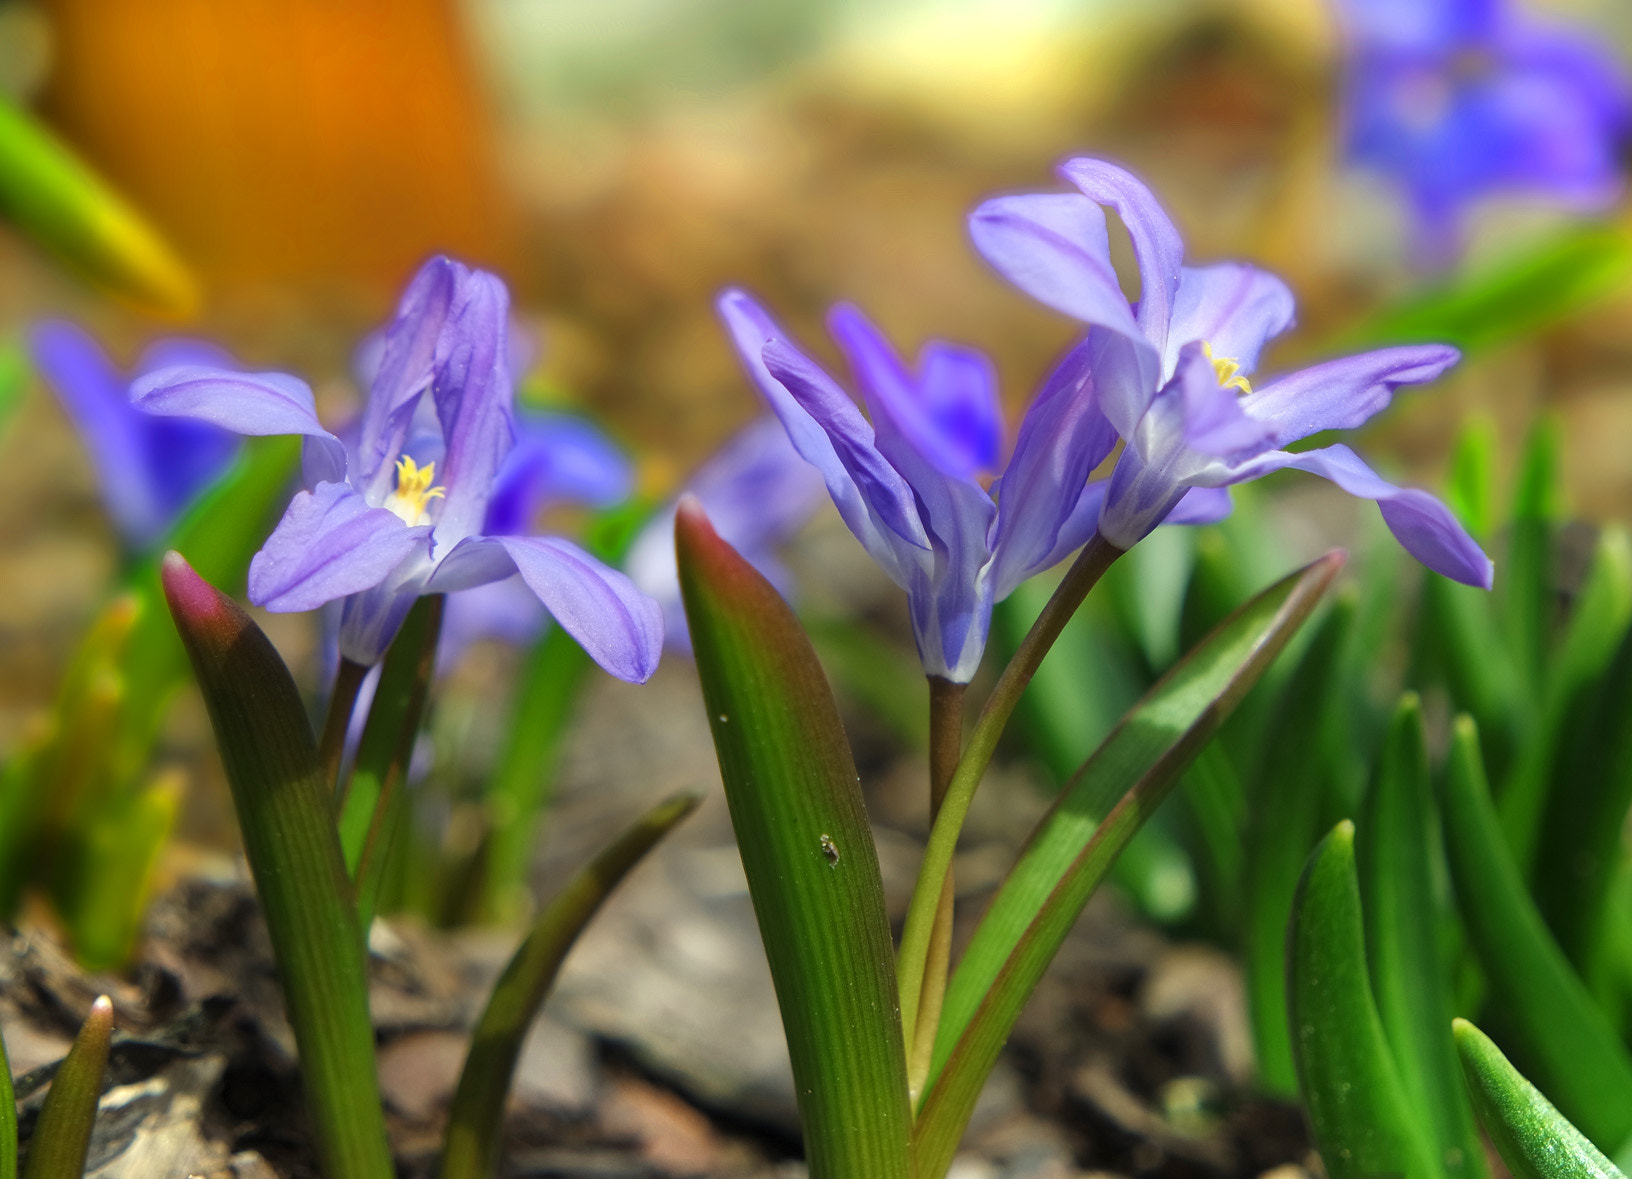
(1168, 376)
(403, 509)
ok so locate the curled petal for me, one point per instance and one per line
(244, 403)
(618, 626)
(1213, 420)
(1342, 394)
(1156, 243)
(1424, 526)
(1233, 307)
(1054, 247)
(329, 544)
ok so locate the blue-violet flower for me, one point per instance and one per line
(401, 512)
(1170, 372)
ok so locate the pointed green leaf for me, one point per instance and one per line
(62, 1136)
(1403, 917)
(477, 1115)
(286, 819)
(1359, 1112)
(1527, 592)
(809, 856)
(1566, 1039)
(1077, 842)
(1471, 491)
(60, 203)
(1535, 1140)
(8, 1118)
(1284, 824)
(115, 855)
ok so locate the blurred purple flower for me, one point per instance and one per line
(1170, 373)
(1458, 100)
(909, 482)
(150, 470)
(402, 514)
(757, 492)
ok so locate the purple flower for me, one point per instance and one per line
(1458, 100)
(909, 483)
(1170, 372)
(401, 512)
(150, 470)
(757, 492)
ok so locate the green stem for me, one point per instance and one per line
(348, 681)
(945, 743)
(1096, 557)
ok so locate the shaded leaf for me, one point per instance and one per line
(62, 1135)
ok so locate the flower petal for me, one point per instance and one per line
(1156, 243)
(618, 626)
(1233, 307)
(1423, 525)
(253, 404)
(1202, 505)
(328, 545)
(830, 433)
(1342, 394)
(557, 458)
(1063, 437)
(1213, 419)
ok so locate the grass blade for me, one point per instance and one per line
(477, 1116)
(62, 1136)
(1567, 1041)
(1403, 917)
(1351, 1088)
(1077, 842)
(809, 856)
(286, 818)
(1534, 1139)
(8, 1118)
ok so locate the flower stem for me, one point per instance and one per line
(348, 681)
(1096, 557)
(945, 743)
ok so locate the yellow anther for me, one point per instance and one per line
(1229, 371)
(414, 490)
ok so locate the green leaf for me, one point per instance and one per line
(1403, 918)
(1535, 1140)
(373, 803)
(8, 1118)
(1076, 843)
(809, 856)
(1527, 593)
(1357, 1107)
(115, 856)
(1565, 1038)
(477, 1115)
(62, 1136)
(1284, 824)
(1471, 490)
(286, 819)
(60, 203)
(1514, 297)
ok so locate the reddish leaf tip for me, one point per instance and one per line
(191, 598)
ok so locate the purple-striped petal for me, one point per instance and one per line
(328, 545)
(1213, 421)
(1156, 243)
(1202, 505)
(873, 499)
(556, 458)
(252, 404)
(1233, 307)
(1423, 525)
(1063, 437)
(1342, 394)
(618, 626)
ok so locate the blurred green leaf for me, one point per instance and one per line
(477, 1115)
(286, 818)
(62, 1135)
(1535, 1140)
(1526, 594)
(115, 859)
(59, 202)
(1471, 490)
(1283, 825)
(14, 380)
(1359, 1111)
(372, 805)
(1565, 1038)
(1513, 298)
(809, 857)
(1408, 970)
(1077, 841)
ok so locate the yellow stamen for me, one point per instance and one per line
(414, 490)
(1229, 371)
